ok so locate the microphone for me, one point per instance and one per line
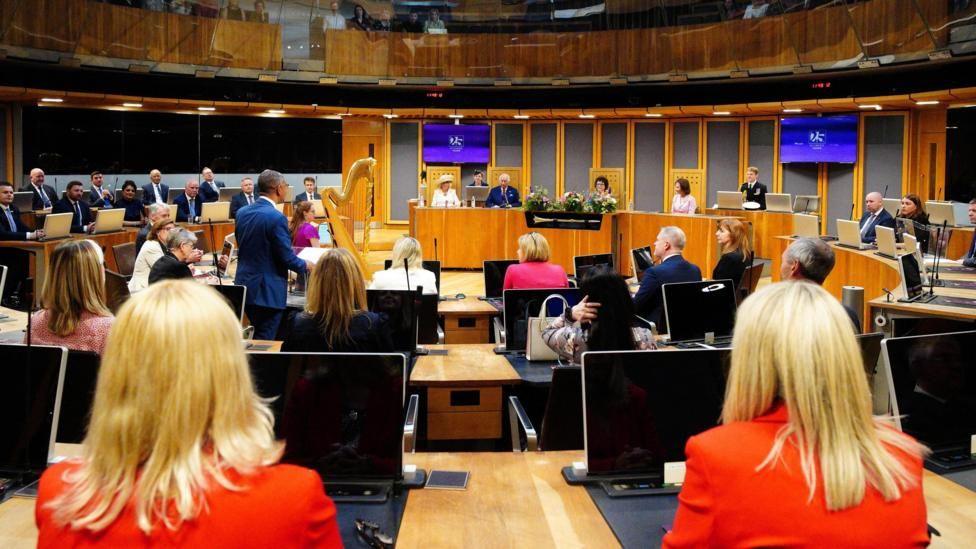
(435, 249)
(885, 193)
(213, 252)
(939, 250)
(888, 294)
(406, 271)
(853, 205)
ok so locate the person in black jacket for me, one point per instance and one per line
(335, 317)
(736, 251)
(244, 198)
(11, 227)
(753, 189)
(81, 218)
(175, 264)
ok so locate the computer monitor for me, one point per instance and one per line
(30, 406)
(643, 260)
(431, 265)
(218, 212)
(235, 296)
(80, 380)
(640, 408)
(806, 226)
(226, 194)
(57, 226)
(494, 271)
(480, 194)
(583, 264)
(911, 277)
(402, 307)
(887, 247)
(109, 220)
(870, 351)
(891, 205)
(932, 381)
(806, 204)
(730, 200)
(522, 304)
(695, 309)
(340, 414)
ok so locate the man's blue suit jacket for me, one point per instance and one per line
(884, 219)
(264, 255)
(495, 197)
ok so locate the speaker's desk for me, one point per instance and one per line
(467, 320)
(766, 226)
(464, 391)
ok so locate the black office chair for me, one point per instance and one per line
(562, 421)
(80, 377)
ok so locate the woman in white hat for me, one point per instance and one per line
(444, 196)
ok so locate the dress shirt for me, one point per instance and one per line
(333, 22)
(869, 222)
(159, 198)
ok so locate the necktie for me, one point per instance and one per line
(78, 211)
(159, 199)
(192, 213)
(867, 225)
(10, 219)
(250, 200)
(970, 255)
(44, 198)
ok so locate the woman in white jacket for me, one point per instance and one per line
(445, 197)
(395, 278)
(150, 252)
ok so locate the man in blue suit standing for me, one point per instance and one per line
(265, 256)
(649, 301)
(503, 196)
(874, 215)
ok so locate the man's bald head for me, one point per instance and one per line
(37, 176)
(873, 202)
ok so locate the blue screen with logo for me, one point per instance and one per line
(819, 139)
(457, 143)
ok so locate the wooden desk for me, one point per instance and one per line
(16, 321)
(466, 321)
(766, 226)
(464, 391)
(959, 241)
(638, 229)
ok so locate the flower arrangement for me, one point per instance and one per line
(571, 201)
(538, 201)
(601, 204)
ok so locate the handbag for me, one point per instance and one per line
(535, 346)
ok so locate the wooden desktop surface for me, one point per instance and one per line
(463, 366)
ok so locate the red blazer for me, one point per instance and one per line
(282, 506)
(725, 502)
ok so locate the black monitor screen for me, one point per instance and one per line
(934, 380)
(235, 297)
(520, 305)
(584, 263)
(495, 276)
(29, 406)
(870, 351)
(402, 308)
(693, 309)
(432, 266)
(642, 406)
(340, 414)
(642, 261)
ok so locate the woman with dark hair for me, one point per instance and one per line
(602, 321)
(601, 187)
(133, 207)
(360, 19)
(912, 209)
(684, 201)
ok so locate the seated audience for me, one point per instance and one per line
(395, 278)
(209, 187)
(969, 260)
(44, 196)
(244, 198)
(811, 467)
(874, 215)
(360, 19)
(756, 9)
(383, 23)
(609, 311)
(434, 22)
(503, 196)
(176, 263)
(733, 238)
(912, 210)
(336, 318)
(81, 215)
(304, 233)
(74, 315)
(11, 226)
(445, 197)
(189, 205)
(683, 201)
(533, 269)
(671, 267)
(155, 191)
(812, 259)
(149, 254)
(180, 450)
(133, 207)
(157, 212)
(98, 195)
(333, 20)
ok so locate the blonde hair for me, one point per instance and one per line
(753, 169)
(793, 341)
(166, 424)
(75, 284)
(336, 293)
(739, 238)
(407, 248)
(534, 247)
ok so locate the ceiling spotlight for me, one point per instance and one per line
(391, 115)
(276, 111)
(792, 110)
(584, 115)
(721, 113)
(207, 109)
(52, 100)
(132, 105)
(653, 115)
(521, 116)
(455, 116)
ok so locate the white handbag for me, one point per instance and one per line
(535, 346)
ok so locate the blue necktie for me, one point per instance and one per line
(44, 198)
(78, 211)
(10, 220)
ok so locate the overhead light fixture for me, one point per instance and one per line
(132, 105)
(207, 109)
(521, 117)
(455, 116)
(875, 107)
(653, 115)
(276, 111)
(792, 110)
(52, 100)
(924, 103)
(584, 115)
(391, 115)
(721, 113)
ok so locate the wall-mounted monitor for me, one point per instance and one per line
(818, 139)
(457, 143)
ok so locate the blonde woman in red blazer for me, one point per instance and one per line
(799, 460)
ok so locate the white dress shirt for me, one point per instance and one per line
(396, 279)
(445, 200)
(333, 22)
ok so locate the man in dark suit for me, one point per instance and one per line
(244, 198)
(969, 260)
(874, 215)
(99, 196)
(155, 191)
(672, 267)
(812, 259)
(755, 191)
(81, 218)
(310, 193)
(503, 196)
(189, 206)
(209, 187)
(44, 195)
(11, 227)
(265, 256)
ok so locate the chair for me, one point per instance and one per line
(116, 290)
(428, 330)
(125, 258)
(80, 377)
(562, 421)
(749, 281)
(202, 243)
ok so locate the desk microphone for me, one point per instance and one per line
(885, 193)
(939, 250)
(435, 249)
(853, 205)
(406, 271)
(888, 294)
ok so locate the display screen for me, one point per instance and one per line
(29, 407)
(684, 301)
(457, 143)
(819, 139)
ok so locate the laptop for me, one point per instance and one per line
(172, 194)
(431, 265)
(806, 204)
(227, 193)
(953, 214)
(583, 264)
(886, 242)
(643, 260)
(893, 205)
(319, 208)
(24, 201)
(519, 305)
(730, 200)
(494, 272)
(218, 212)
(57, 226)
(849, 235)
(806, 226)
(639, 410)
(779, 202)
(700, 313)
(172, 211)
(932, 383)
(480, 194)
(341, 414)
(109, 220)
(137, 198)
(30, 409)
